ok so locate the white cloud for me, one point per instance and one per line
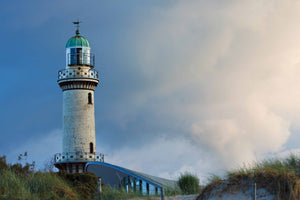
(226, 74)
(163, 157)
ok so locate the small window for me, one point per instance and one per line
(90, 98)
(73, 50)
(91, 147)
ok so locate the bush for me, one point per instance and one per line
(189, 183)
(85, 184)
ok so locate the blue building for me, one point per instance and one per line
(119, 177)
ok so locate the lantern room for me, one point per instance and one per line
(78, 52)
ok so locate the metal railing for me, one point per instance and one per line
(78, 156)
(75, 73)
(87, 59)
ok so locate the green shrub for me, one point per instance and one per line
(85, 184)
(189, 183)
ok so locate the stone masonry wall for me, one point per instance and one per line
(78, 121)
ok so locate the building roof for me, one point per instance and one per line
(77, 41)
(112, 175)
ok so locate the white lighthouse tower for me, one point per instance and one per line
(78, 82)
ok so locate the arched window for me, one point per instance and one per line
(91, 147)
(90, 98)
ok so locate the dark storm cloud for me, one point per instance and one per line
(187, 80)
(35, 34)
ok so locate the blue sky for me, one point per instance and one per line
(199, 86)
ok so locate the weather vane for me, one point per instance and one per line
(77, 26)
(77, 23)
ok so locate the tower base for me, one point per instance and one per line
(78, 167)
(75, 162)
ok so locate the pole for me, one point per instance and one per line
(99, 188)
(254, 191)
(162, 193)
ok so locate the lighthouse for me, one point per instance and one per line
(78, 82)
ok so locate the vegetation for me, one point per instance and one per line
(189, 183)
(280, 177)
(85, 184)
(20, 181)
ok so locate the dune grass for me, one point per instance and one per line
(20, 181)
(280, 177)
(55, 186)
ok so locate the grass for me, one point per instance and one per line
(280, 177)
(35, 186)
(54, 186)
(20, 181)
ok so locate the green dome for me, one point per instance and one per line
(77, 40)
